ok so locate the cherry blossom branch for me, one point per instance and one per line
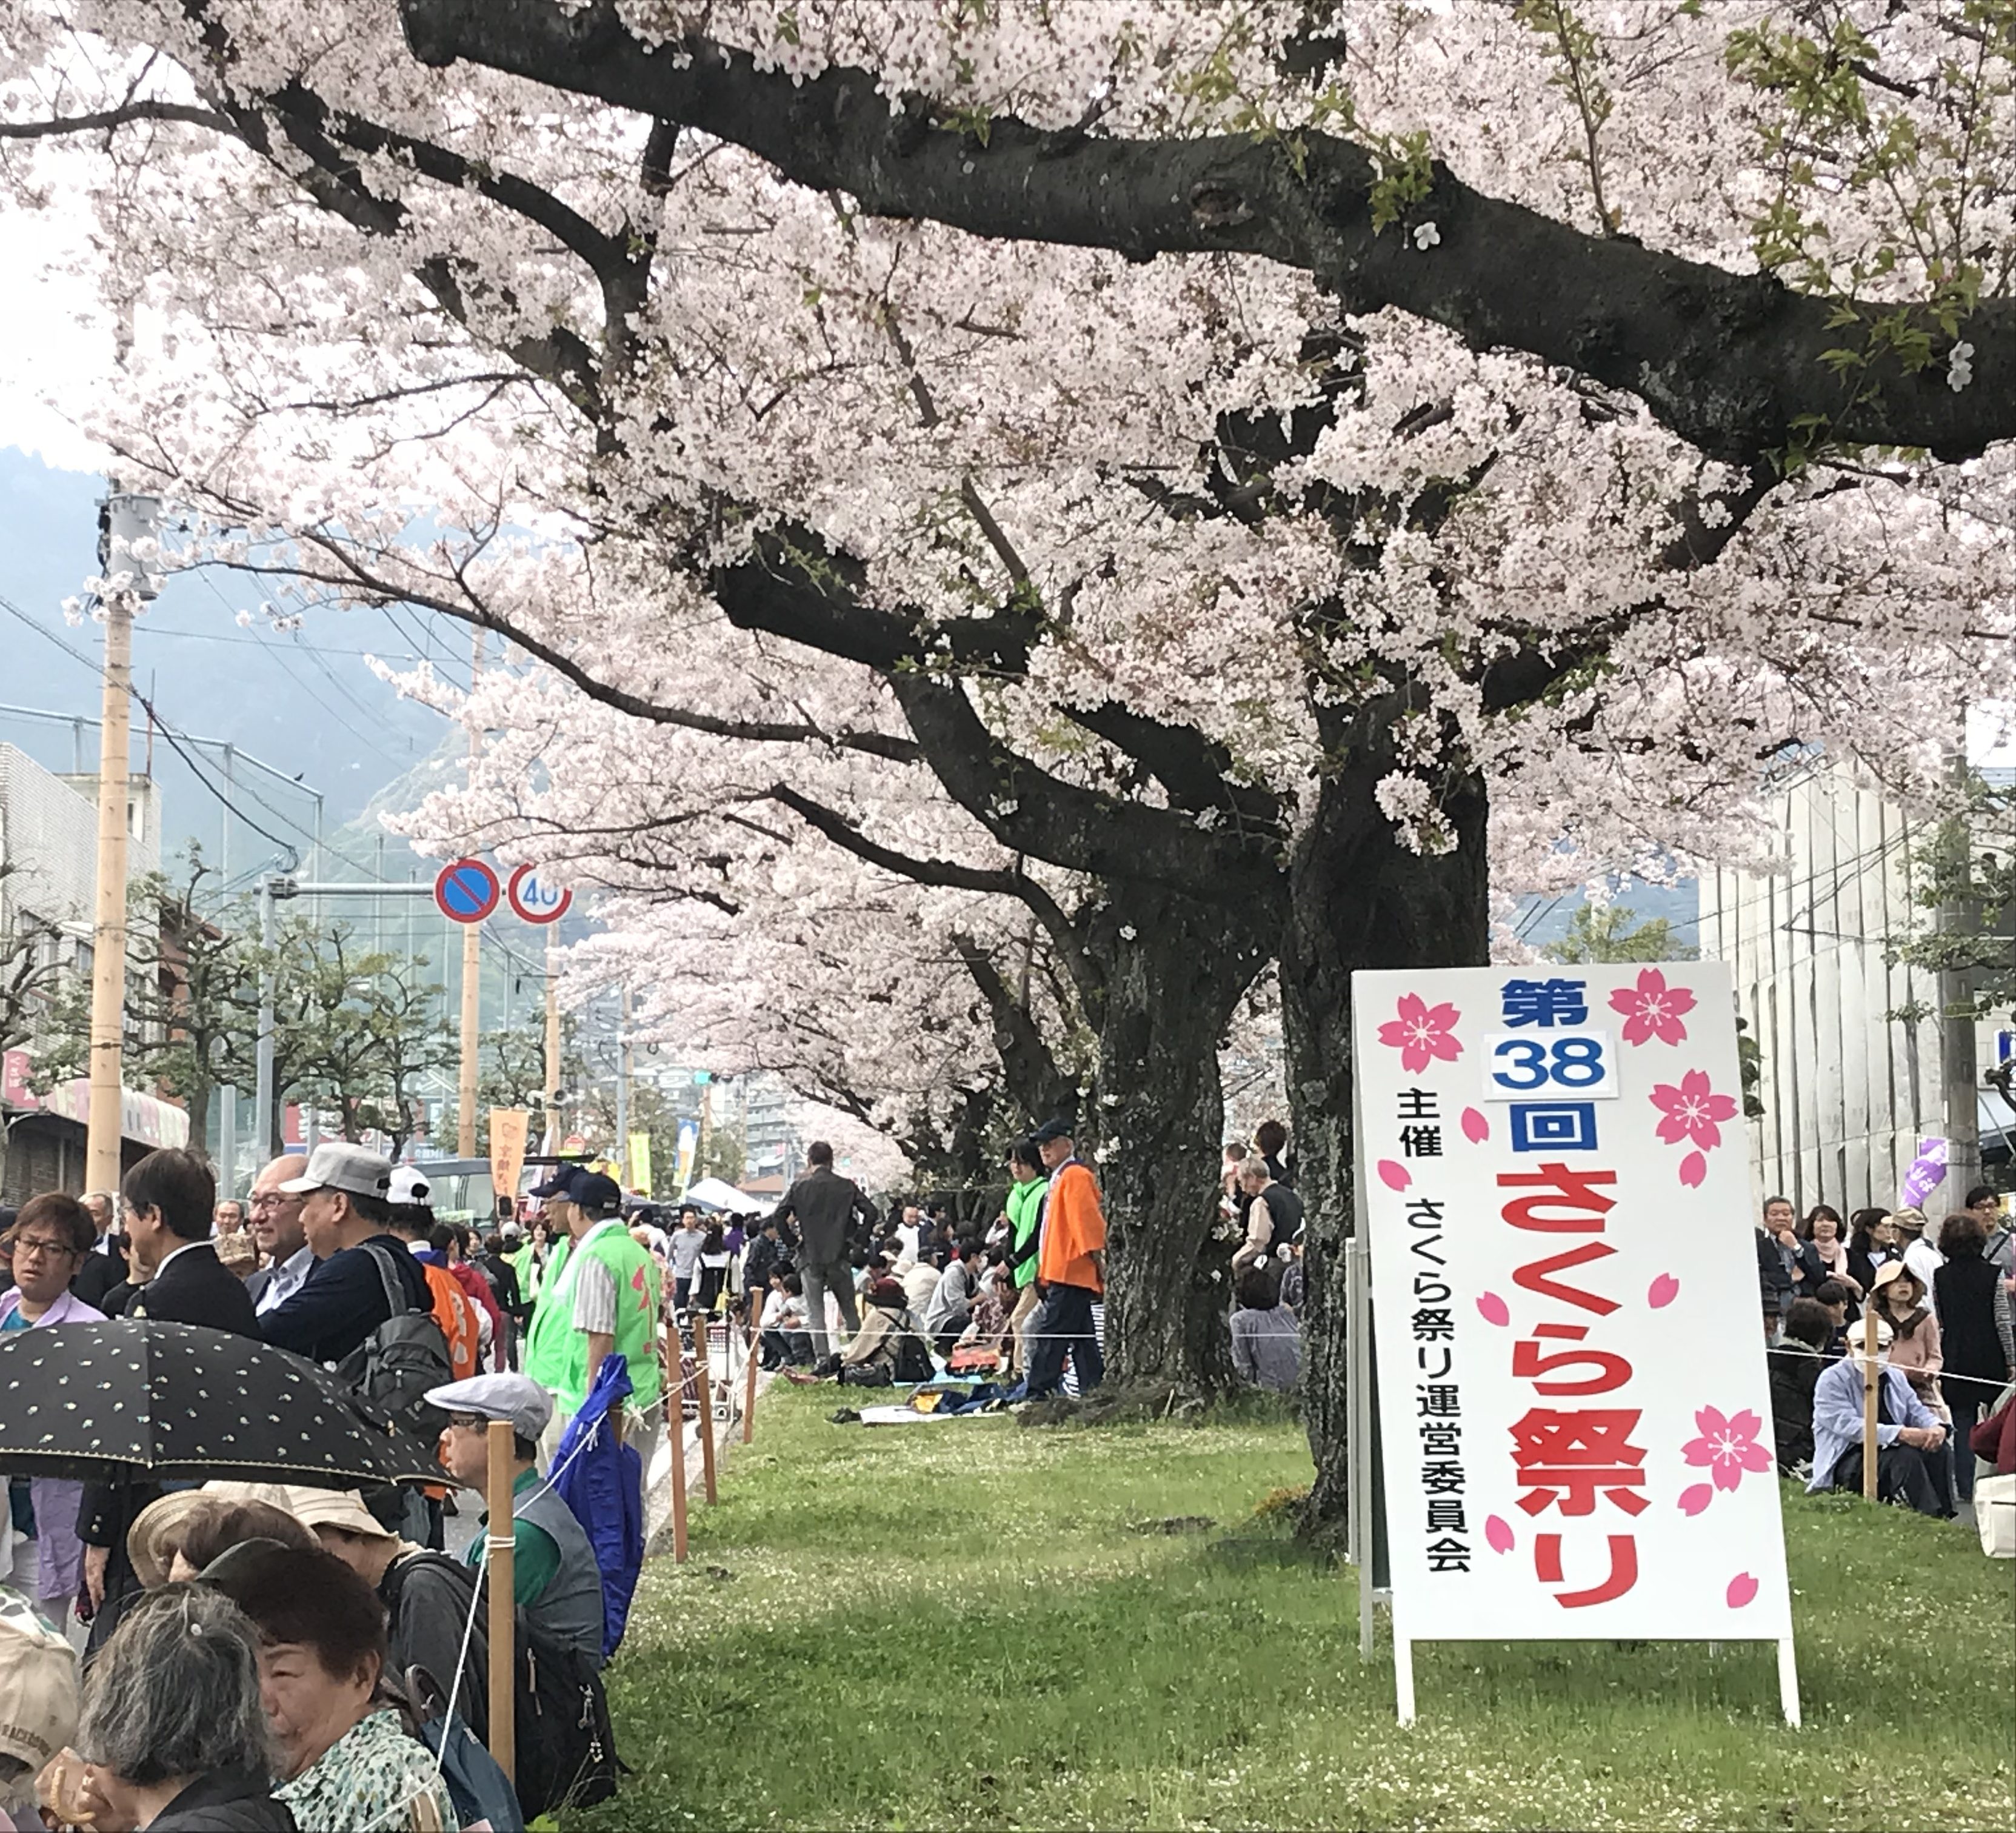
(949, 874)
(106, 119)
(1733, 362)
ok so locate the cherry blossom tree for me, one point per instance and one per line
(1229, 479)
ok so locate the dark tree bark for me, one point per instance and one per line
(1171, 990)
(1357, 898)
(1729, 362)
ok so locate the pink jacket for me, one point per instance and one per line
(1921, 1357)
(60, 1554)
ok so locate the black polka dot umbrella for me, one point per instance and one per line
(137, 1396)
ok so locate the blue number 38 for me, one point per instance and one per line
(1526, 1064)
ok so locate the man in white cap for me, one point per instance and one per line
(555, 1577)
(360, 1265)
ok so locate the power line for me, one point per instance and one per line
(279, 656)
(173, 737)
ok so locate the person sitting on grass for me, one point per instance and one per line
(870, 1357)
(1909, 1435)
(785, 1339)
(1839, 1304)
(554, 1576)
(1267, 1342)
(1797, 1365)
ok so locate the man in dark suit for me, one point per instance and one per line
(171, 1200)
(105, 1267)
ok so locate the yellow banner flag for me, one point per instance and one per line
(640, 1163)
(507, 1149)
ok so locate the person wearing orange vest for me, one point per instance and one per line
(1070, 1270)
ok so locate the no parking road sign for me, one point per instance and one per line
(466, 891)
(537, 900)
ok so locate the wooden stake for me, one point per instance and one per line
(706, 1377)
(678, 1421)
(1871, 1337)
(501, 1561)
(749, 1388)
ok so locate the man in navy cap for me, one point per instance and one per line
(601, 1300)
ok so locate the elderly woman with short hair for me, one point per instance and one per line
(348, 1761)
(174, 1732)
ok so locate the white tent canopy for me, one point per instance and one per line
(719, 1195)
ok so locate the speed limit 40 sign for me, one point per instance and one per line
(537, 900)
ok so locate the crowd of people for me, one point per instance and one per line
(271, 1656)
(1939, 1301)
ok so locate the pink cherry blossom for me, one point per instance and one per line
(1497, 1534)
(1742, 1588)
(1652, 1009)
(1476, 1128)
(1421, 1033)
(1696, 1497)
(1493, 1309)
(1693, 1110)
(1394, 1175)
(1728, 1447)
(1662, 1291)
(1694, 1170)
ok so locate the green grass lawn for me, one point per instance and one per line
(963, 1626)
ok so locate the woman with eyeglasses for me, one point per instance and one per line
(50, 1238)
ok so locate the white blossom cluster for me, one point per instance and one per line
(509, 377)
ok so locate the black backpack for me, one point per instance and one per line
(407, 1354)
(565, 1745)
(913, 1359)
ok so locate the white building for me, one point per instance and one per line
(1848, 1092)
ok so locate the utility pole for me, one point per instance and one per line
(472, 959)
(623, 1063)
(552, 1090)
(124, 520)
(266, 1141)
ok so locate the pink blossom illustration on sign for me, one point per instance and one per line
(1421, 1033)
(1493, 1309)
(1662, 1291)
(1497, 1534)
(1652, 1009)
(1727, 1445)
(1394, 1175)
(1476, 1128)
(1742, 1588)
(1694, 1170)
(1696, 1497)
(1694, 1111)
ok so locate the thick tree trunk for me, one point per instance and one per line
(1359, 898)
(1154, 1134)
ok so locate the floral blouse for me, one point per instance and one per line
(368, 1781)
